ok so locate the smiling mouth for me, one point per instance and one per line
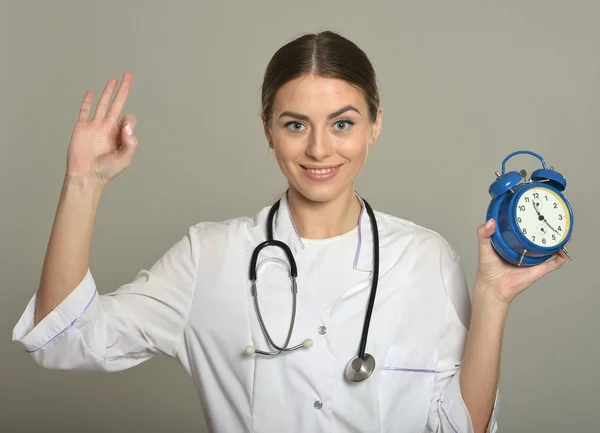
(321, 174)
(320, 170)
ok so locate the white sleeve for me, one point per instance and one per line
(119, 330)
(448, 412)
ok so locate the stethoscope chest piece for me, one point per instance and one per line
(358, 369)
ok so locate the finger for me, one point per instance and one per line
(127, 119)
(563, 255)
(100, 112)
(86, 103)
(554, 263)
(119, 102)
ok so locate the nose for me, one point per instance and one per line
(319, 146)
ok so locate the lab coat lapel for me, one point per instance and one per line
(284, 228)
(364, 259)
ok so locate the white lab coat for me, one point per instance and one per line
(195, 305)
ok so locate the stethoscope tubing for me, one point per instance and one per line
(360, 366)
(375, 279)
(264, 328)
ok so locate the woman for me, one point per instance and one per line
(424, 371)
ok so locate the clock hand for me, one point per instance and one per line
(537, 211)
(548, 224)
(542, 218)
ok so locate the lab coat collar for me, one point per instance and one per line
(284, 229)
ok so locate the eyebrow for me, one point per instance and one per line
(331, 116)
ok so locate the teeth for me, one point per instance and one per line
(321, 171)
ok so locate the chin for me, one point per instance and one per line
(320, 193)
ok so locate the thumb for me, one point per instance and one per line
(484, 231)
(129, 141)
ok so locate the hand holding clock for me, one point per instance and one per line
(512, 254)
(503, 280)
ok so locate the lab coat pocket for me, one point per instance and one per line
(406, 384)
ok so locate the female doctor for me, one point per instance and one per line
(281, 338)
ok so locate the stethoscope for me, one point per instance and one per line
(360, 366)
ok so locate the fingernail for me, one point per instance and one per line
(488, 224)
(128, 130)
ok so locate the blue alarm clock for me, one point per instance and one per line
(534, 220)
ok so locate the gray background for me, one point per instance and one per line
(463, 84)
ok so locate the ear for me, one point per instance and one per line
(267, 131)
(376, 128)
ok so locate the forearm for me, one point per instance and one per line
(480, 370)
(67, 255)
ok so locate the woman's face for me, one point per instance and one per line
(320, 132)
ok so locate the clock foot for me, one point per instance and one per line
(522, 257)
(564, 250)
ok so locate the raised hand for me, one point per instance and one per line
(506, 281)
(102, 146)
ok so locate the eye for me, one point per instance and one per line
(342, 125)
(294, 126)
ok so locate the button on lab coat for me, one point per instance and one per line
(195, 304)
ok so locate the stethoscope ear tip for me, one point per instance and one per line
(250, 350)
(307, 343)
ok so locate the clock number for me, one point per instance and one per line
(555, 205)
(553, 237)
(546, 197)
(560, 217)
(526, 199)
(533, 237)
(559, 228)
(544, 241)
(519, 220)
(522, 208)
(536, 195)
(524, 231)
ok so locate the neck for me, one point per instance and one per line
(322, 220)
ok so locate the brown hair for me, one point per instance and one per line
(326, 54)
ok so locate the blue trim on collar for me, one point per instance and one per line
(285, 230)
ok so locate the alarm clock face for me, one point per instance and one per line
(543, 216)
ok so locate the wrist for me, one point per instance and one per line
(486, 296)
(84, 186)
